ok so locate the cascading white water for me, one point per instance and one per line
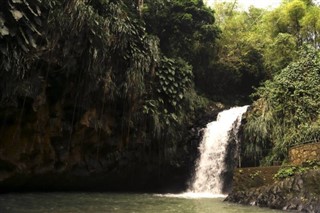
(207, 179)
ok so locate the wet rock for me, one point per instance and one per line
(295, 193)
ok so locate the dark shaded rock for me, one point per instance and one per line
(54, 145)
(299, 193)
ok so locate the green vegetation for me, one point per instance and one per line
(186, 30)
(292, 170)
(287, 110)
(253, 175)
(138, 72)
(103, 65)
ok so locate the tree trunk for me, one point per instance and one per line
(139, 5)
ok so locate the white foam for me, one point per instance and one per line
(192, 195)
(213, 150)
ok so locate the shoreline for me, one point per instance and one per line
(300, 192)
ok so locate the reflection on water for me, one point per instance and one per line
(120, 203)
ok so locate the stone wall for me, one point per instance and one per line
(303, 153)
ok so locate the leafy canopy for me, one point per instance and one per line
(288, 107)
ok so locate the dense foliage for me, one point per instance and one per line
(257, 43)
(239, 65)
(274, 47)
(146, 62)
(186, 30)
(287, 110)
(292, 170)
(66, 65)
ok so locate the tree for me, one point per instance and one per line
(280, 52)
(286, 112)
(311, 26)
(85, 54)
(294, 12)
(239, 65)
(90, 56)
(282, 31)
(186, 30)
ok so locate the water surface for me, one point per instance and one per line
(119, 203)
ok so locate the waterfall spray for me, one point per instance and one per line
(213, 147)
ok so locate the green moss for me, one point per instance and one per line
(289, 171)
(246, 178)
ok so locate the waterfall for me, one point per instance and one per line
(213, 151)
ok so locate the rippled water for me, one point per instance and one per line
(107, 202)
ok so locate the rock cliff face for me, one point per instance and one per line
(300, 192)
(43, 151)
(58, 147)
